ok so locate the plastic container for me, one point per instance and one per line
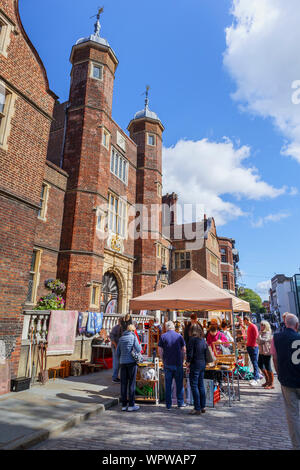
(107, 362)
(20, 384)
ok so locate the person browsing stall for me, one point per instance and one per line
(114, 336)
(285, 348)
(215, 337)
(264, 359)
(189, 326)
(252, 348)
(171, 348)
(127, 343)
(196, 362)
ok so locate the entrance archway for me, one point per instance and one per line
(110, 294)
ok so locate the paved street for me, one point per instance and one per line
(257, 422)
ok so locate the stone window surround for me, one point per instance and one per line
(177, 268)
(150, 134)
(212, 266)
(101, 213)
(5, 34)
(106, 133)
(36, 276)
(113, 167)
(99, 65)
(95, 292)
(6, 116)
(158, 250)
(159, 189)
(117, 218)
(44, 205)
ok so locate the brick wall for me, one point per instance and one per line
(48, 231)
(22, 171)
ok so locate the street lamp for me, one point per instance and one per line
(236, 259)
(162, 275)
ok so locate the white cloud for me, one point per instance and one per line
(293, 191)
(262, 289)
(262, 56)
(200, 172)
(261, 221)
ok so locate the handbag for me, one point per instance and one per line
(138, 358)
(209, 355)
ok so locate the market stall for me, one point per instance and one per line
(197, 294)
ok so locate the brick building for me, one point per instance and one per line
(26, 106)
(229, 257)
(71, 183)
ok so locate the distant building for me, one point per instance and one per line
(296, 290)
(229, 258)
(282, 297)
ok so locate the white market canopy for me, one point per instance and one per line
(192, 292)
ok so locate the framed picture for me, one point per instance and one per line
(209, 391)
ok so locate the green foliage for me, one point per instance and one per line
(254, 300)
(53, 301)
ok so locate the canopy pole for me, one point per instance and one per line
(234, 335)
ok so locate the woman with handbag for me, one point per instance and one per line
(197, 357)
(127, 350)
(264, 360)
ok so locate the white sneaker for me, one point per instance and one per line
(254, 383)
(133, 408)
(124, 408)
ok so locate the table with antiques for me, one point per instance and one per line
(223, 370)
(97, 350)
(226, 375)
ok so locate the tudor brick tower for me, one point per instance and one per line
(146, 131)
(86, 158)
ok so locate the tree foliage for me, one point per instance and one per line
(254, 300)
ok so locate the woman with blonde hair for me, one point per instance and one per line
(128, 343)
(264, 360)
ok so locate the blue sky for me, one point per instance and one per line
(206, 84)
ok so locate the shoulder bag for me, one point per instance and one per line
(209, 355)
(137, 356)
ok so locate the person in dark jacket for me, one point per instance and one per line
(285, 348)
(126, 320)
(189, 326)
(196, 362)
(115, 335)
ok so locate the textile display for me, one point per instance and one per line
(82, 322)
(4, 376)
(94, 323)
(62, 332)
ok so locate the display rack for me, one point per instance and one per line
(154, 335)
(149, 387)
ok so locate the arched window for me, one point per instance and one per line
(109, 294)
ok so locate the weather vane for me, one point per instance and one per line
(97, 24)
(147, 94)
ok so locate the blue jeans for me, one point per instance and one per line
(197, 387)
(116, 363)
(253, 354)
(174, 372)
(128, 383)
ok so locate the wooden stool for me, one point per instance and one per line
(91, 367)
(67, 366)
(55, 369)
